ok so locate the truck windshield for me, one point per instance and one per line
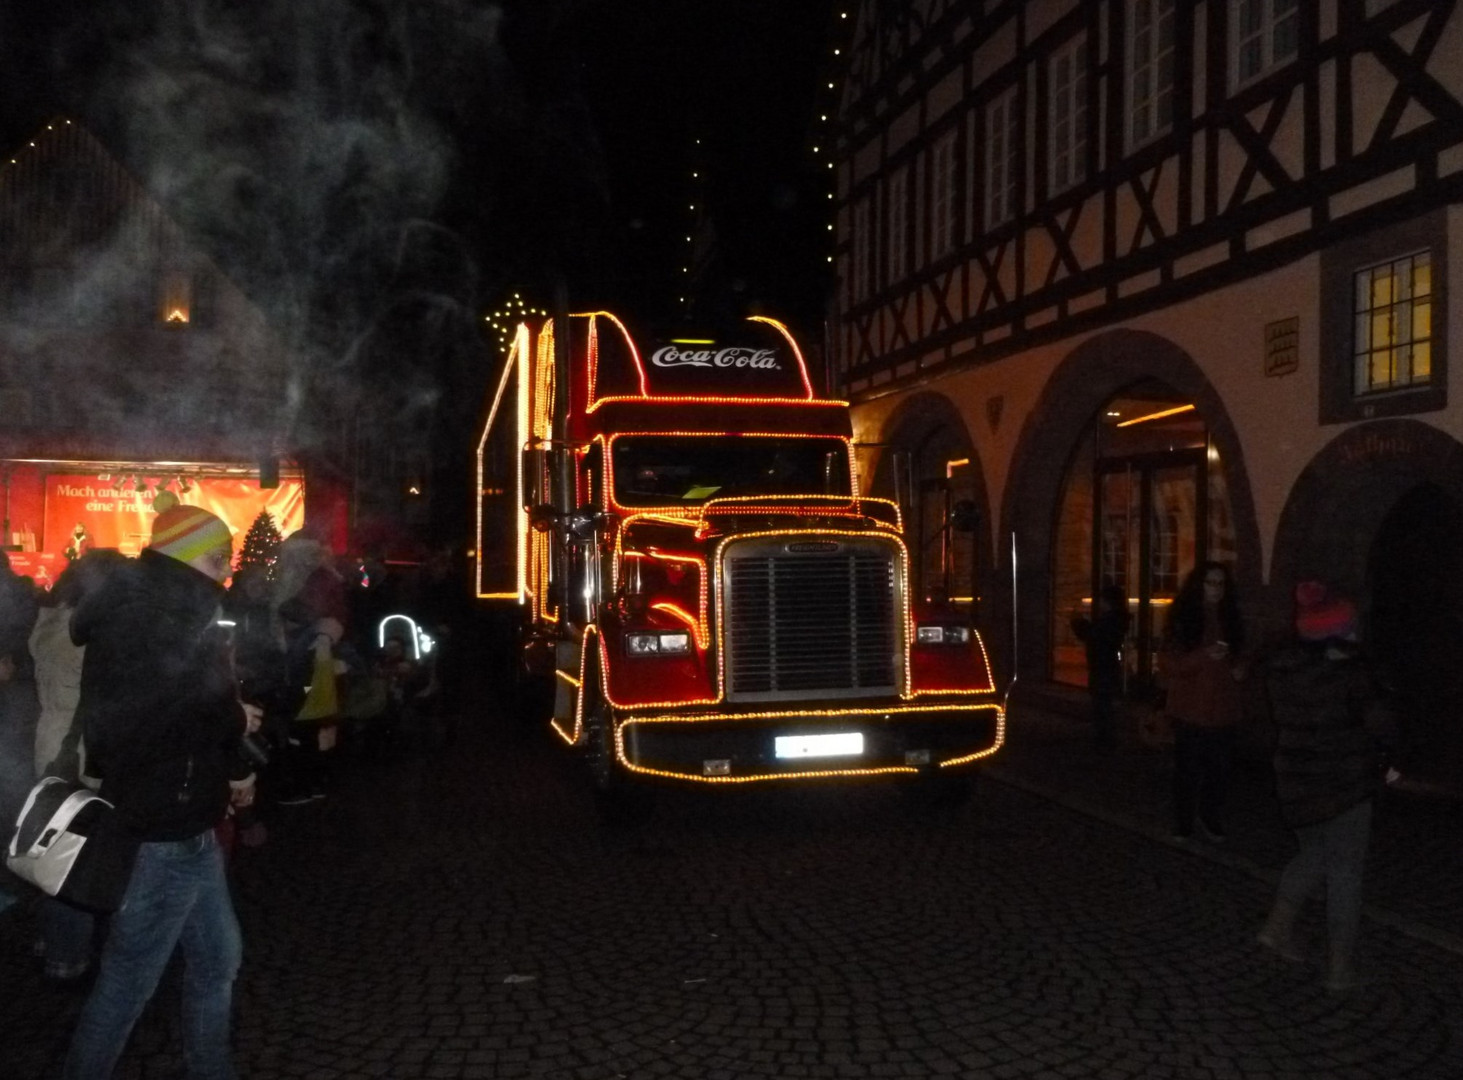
(661, 470)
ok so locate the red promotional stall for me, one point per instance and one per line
(53, 506)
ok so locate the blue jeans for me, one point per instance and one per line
(1332, 851)
(177, 895)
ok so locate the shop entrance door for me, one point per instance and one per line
(1149, 529)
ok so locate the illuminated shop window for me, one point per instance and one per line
(1068, 104)
(1264, 34)
(1393, 305)
(1150, 69)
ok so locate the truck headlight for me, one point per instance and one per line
(661, 643)
(942, 635)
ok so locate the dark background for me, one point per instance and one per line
(563, 134)
(378, 177)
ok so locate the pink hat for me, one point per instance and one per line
(1320, 614)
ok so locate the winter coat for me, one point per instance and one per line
(58, 681)
(159, 708)
(1332, 732)
(17, 614)
(1103, 638)
(1202, 691)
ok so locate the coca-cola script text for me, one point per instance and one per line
(732, 357)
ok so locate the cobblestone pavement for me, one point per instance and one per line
(460, 913)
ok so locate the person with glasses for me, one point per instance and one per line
(162, 723)
(1201, 670)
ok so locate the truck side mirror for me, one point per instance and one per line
(965, 516)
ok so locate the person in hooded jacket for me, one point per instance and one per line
(1333, 730)
(162, 723)
(67, 930)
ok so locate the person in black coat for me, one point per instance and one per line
(1103, 637)
(162, 722)
(1332, 733)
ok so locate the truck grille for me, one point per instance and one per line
(820, 623)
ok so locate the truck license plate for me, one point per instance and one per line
(841, 744)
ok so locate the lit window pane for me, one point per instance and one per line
(1422, 360)
(1381, 287)
(1382, 368)
(1363, 333)
(1422, 277)
(1381, 332)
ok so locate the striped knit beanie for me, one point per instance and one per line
(186, 532)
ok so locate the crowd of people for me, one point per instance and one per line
(196, 709)
(1334, 734)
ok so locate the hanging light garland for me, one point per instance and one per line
(30, 145)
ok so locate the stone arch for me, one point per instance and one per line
(1091, 375)
(930, 427)
(1339, 501)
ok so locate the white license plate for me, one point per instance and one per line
(841, 744)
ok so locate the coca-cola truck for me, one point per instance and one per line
(713, 596)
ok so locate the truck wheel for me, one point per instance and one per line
(618, 800)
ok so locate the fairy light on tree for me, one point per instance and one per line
(261, 543)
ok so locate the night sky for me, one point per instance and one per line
(549, 138)
(379, 176)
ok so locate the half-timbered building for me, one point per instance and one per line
(1154, 282)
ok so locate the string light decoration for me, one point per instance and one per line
(30, 145)
(820, 714)
(697, 219)
(505, 321)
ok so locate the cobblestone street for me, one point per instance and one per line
(461, 913)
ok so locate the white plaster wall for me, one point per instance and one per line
(1275, 418)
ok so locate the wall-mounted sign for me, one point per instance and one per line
(1282, 346)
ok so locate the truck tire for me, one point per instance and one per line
(618, 800)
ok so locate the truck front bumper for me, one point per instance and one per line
(907, 738)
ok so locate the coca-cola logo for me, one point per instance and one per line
(733, 356)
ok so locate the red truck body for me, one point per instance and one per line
(716, 599)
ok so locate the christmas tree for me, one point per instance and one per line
(261, 543)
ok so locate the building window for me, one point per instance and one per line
(942, 201)
(898, 205)
(862, 263)
(1264, 34)
(1002, 162)
(1383, 343)
(1394, 302)
(1067, 82)
(1150, 69)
